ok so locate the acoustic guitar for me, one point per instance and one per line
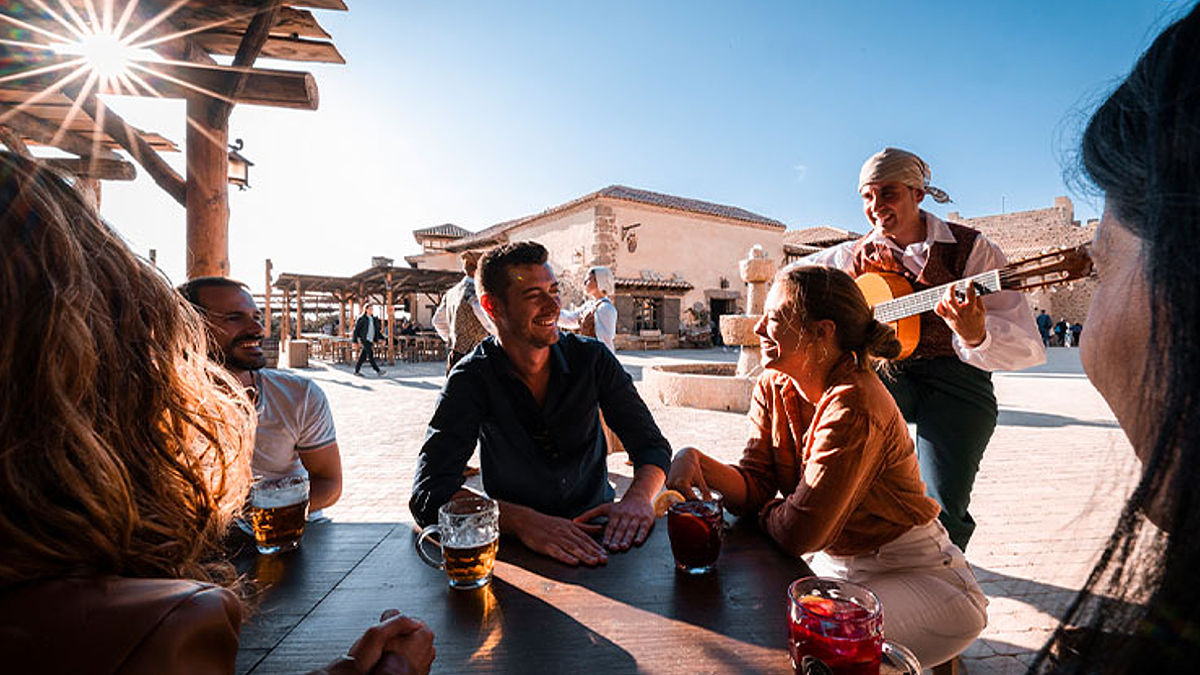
(893, 301)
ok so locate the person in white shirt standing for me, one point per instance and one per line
(597, 318)
(945, 386)
(459, 318)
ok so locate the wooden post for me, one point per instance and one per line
(285, 326)
(342, 300)
(391, 323)
(299, 310)
(267, 302)
(207, 193)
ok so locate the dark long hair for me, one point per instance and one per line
(1140, 608)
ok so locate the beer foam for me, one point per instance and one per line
(275, 497)
(470, 538)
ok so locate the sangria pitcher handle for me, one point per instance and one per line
(901, 657)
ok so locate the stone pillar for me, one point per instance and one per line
(756, 270)
(605, 238)
(738, 329)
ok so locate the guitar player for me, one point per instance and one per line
(945, 386)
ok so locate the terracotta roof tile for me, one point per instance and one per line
(686, 204)
(821, 235)
(443, 230)
(496, 233)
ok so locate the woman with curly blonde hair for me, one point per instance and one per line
(123, 455)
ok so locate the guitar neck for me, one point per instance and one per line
(924, 301)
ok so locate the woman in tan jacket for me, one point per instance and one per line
(830, 468)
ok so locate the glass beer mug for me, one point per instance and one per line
(277, 512)
(469, 532)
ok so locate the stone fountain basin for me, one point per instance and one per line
(709, 386)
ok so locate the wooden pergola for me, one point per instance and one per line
(380, 285)
(49, 96)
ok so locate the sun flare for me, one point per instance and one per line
(106, 54)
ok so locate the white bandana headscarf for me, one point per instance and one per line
(900, 166)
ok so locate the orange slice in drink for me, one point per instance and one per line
(664, 501)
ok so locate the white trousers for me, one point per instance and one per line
(932, 603)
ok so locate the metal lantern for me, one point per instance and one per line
(239, 166)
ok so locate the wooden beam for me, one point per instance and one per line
(261, 86)
(43, 132)
(132, 142)
(13, 141)
(289, 22)
(254, 86)
(247, 53)
(206, 195)
(275, 47)
(94, 169)
(319, 4)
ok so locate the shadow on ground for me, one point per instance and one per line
(1026, 418)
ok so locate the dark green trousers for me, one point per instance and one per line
(954, 408)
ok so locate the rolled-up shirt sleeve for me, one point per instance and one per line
(626, 413)
(841, 462)
(757, 464)
(441, 320)
(1012, 341)
(449, 442)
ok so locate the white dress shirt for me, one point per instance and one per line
(605, 316)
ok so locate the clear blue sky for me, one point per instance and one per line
(478, 112)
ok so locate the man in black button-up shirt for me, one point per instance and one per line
(531, 398)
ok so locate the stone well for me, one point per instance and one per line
(721, 386)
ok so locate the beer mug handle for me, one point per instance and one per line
(901, 658)
(439, 562)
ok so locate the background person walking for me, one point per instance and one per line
(367, 329)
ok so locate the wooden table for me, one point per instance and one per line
(635, 614)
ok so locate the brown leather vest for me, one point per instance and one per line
(587, 321)
(947, 262)
(465, 329)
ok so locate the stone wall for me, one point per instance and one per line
(605, 238)
(1025, 233)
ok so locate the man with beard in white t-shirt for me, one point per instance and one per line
(295, 427)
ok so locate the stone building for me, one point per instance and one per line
(433, 241)
(1025, 233)
(674, 259)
